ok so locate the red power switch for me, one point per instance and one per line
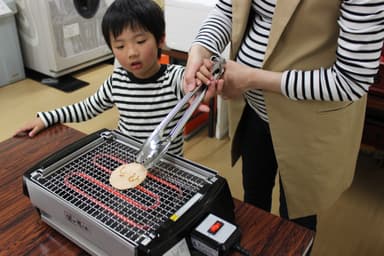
(215, 227)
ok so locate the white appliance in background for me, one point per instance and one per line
(61, 36)
(11, 62)
(183, 19)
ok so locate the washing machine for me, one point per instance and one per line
(11, 62)
(58, 37)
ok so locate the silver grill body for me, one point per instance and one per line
(72, 193)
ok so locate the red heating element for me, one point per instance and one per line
(116, 192)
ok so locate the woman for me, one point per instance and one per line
(304, 69)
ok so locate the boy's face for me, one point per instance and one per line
(136, 51)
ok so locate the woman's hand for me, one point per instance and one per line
(239, 78)
(195, 63)
(235, 80)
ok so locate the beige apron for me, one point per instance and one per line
(316, 143)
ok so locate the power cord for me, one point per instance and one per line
(242, 250)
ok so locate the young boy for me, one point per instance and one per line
(143, 90)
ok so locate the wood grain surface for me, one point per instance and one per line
(23, 233)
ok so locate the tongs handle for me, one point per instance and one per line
(156, 145)
(199, 93)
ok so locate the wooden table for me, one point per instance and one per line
(23, 233)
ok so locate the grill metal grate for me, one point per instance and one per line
(136, 213)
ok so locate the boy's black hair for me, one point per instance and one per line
(135, 14)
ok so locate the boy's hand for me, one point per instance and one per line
(210, 74)
(31, 128)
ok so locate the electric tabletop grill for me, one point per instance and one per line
(71, 191)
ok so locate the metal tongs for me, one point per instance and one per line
(157, 145)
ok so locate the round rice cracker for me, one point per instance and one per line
(128, 176)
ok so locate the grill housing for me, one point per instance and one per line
(72, 193)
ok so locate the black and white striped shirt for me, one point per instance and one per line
(142, 103)
(360, 41)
